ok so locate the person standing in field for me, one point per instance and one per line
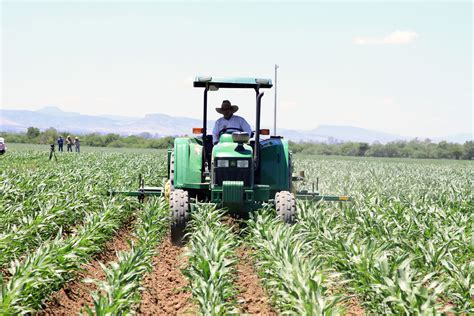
(60, 144)
(78, 145)
(69, 143)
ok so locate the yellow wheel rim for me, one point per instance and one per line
(167, 189)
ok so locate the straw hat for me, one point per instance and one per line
(226, 105)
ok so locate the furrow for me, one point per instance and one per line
(72, 298)
(165, 288)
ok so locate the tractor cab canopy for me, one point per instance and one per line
(214, 84)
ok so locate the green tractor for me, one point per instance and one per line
(239, 173)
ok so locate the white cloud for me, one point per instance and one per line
(400, 37)
(394, 38)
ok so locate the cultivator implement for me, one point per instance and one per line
(143, 191)
(301, 195)
(316, 196)
(146, 191)
(140, 193)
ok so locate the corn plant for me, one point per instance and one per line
(409, 221)
(297, 282)
(121, 289)
(40, 197)
(55, 262)
(211, 262)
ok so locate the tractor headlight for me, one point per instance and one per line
(242, 163)
(222, 163)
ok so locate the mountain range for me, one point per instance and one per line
(164, 125)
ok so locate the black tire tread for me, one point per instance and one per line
(179, 206)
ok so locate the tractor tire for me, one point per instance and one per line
(285, 205)
(180, 209)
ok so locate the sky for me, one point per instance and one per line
(397, 67)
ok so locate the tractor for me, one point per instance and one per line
(239, 173)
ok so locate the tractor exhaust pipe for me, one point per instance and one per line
(257, 131)
(204, 115)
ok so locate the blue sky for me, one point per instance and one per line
(396, 67)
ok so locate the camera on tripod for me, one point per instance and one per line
(51, 152)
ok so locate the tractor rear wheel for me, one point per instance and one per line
(285, 205)
(179, 205)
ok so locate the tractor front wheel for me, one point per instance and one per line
(285, 205)
(179, 205)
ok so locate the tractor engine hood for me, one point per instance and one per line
(226, 148)
(232, 162)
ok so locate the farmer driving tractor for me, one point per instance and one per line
(229, 121)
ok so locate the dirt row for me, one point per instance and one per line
(164, 289)
(252, 297)
(72, 298)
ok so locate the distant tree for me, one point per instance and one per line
(49, 136)
(295, 147)
(376, 150)
(442, 150)
(109, 138)
(349, 149)
(363, 147)
(468, 150)
(415, 148)
(32, 132)
(116, 143)
(456, 151)
(94, 139)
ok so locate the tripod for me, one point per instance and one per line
(52, 153)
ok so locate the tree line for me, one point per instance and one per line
(33, 135)
(403, 149)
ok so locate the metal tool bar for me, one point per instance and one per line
(315, 196)
(145, 192)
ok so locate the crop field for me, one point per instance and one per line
(404, 245)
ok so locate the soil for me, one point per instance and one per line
(165, 291)
(353, 307)
(5, 274)
(252, 297)
(72, 298)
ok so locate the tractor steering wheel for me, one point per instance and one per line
(224, 130)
